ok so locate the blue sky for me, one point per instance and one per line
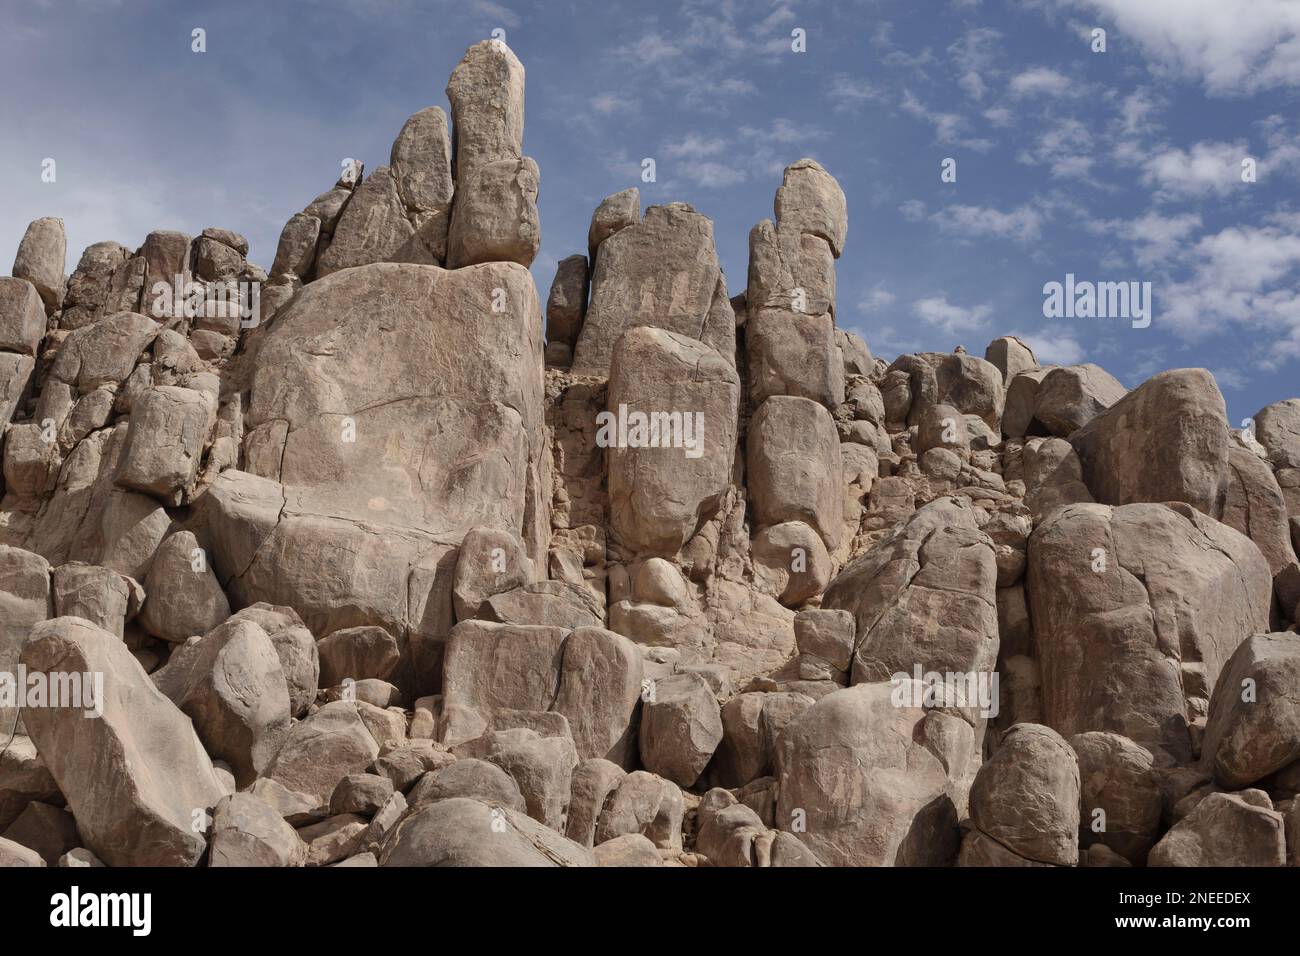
(1114, 166)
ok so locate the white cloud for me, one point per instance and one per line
(949, 128)
(913, 210)
(1136, 109)
(1241, 276)
(1040, 81)
(852, 92)
(1233, 48)
(876, 299)
(781, 130)
(973, 84)
(496, 12)
(1203, 169)
(694, 146)
(950, 318)
(1155, 238)
(1230, 379)
(606, 103)
(999, 116)
(1023, 224)
(712, 175)
(734, 86)
(650, 49)
(1053, 348)
(974, 55)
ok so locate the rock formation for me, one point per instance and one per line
(366, 561)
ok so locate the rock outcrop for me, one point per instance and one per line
(364, 561)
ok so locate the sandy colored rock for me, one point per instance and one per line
(659, 495)
(373, 227)
(566, 304)
(248, 832)
(135, 777)
(323, 748)
(99, 595)
(490, 561)
(793, 354)
(1027, 796)
(793, 462)
(811, 201)
(599, 693)
(924, 596)
(296, 648)
(170, 427)
(1253, 727)
(22, 316)
(1167, 440)
(497, 666)
(469, 777)
(790, 562)
(594, 781)
(1223, 830)
(41, 259)
(1070, 397)
(1277, 429)
(16, 855)
(681, 727)
(358, 653)
(615, 212)
(465, 832)
(421, 163)
(1011, 356)
(486, 90)
(1118, 778)
(869, 792)
(1132, 591)
(661, 272)
(296, 251)
(184, 597)
(231, 684)
(495, 216)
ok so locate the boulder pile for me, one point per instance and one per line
(387, 560)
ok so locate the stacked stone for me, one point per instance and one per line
(795, 381)
(371, 584)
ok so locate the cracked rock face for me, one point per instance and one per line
(391, 571)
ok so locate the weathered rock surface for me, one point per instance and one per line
(322, 749)
(184, 598)
(1120, 798)
(1223, 830)
(1128, 605)
(374, 574)
(794, 466)
(1026, 797)
(660, 490)
(42, 257)
(464, 832)
(661, 272)
(134, 777)
(681, 727)
(868, 792)
(249, 832)
(1253, 726)
(1167, 440)
(925, 596)
(231, 685)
